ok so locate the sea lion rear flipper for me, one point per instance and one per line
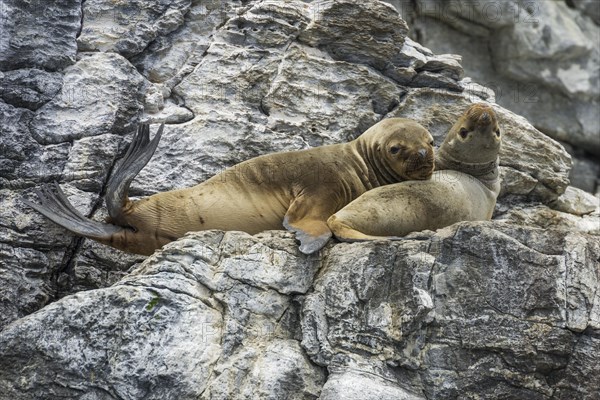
(139, 153)
(58, 209)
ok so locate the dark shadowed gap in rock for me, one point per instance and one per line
(570, 4)
(80, 22)
(59, 282)
(263, 108)
(74, 249)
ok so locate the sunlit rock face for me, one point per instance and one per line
(541, 58)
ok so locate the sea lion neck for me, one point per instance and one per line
(486, 172)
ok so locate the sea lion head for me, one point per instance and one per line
(475, 137)
(398, 149)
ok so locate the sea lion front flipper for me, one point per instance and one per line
(57, 208)
(304, 230)
(345, 233)
(138, 154)
(307, 219)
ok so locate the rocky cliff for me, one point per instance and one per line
(540, 57)
(503, 309)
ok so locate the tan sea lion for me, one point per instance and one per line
(297, 190)
(464, 187)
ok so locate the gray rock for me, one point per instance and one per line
(586, 171)
(16, 147)
(445, 64)
(128, 28)
(487, 321)
(490, 309)
(546, 218)
(104, 85)
(355, 31)
(357, 385)
(170, 57)
(29, 88)
(38, 34)
(431, 80)
(412, 55)
(576, 201)
(139, 335)
(181, 325)
(571, 383)
(99, 95)
(590, 8)
(536, 55)
(171, 113)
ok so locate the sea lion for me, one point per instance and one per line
(297, 190)
(464, 187)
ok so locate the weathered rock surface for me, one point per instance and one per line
(540, 57)
(213, 317)
(104, 82)
(38, 34)
(488, 309)
(29, 88)
(576, 201)
(128, 27)
(502, 309)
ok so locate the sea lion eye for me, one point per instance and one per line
(463, 132)
(394, 149)
(498, 132)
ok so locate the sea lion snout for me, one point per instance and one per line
(485, 119)
(420, 164)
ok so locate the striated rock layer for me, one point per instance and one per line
(540, 57)
(478, 309)
(502, 309)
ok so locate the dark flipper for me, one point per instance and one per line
(139, 153)
(58, 209)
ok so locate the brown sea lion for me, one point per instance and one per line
(297, 190)
(464, 187)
